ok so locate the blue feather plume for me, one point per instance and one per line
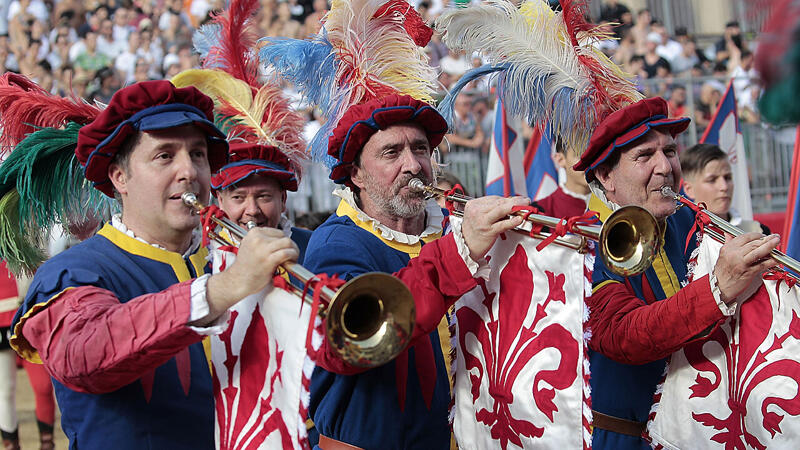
(446, 106)
(206, 38)
(309, 65)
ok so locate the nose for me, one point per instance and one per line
(410, 162)
(661, 164)
(186, 168)
(251, 207)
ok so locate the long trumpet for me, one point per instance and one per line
(726, 227)
(627, 240)
(369, 319)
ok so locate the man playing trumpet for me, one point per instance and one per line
(637, 322)
(118, 320)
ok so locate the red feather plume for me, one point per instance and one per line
(236, 41)
(26, 107)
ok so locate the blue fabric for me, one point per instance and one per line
(123, 419)
(363, 409)
(626, 391)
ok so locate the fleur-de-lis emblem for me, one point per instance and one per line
(751, 347)
(507, 345)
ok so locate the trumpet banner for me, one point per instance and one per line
(261, 370)
(521, 372)
(740, 387)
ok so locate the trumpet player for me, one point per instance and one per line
(118, 320)
(252, 187)
(381, 225)
(637, 322)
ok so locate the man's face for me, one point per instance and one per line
(463, 106)
(678, 96)
(644, 168)
(257, 198)
(712, 186)
(389, 159)
(163, 165)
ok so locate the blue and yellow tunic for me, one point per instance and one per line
(364, 409)
(125, 419)
(622, 390)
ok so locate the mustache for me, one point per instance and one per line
(403, 182)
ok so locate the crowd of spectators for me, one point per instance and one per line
(91, 48)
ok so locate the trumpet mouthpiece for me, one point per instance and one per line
(416, 185)
(189, 199)
(250, 225)
(667, 191)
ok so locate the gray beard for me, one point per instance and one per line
(391, 202)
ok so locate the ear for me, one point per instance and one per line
(118, 178)
(688, 188)
(603, 175)
(559, 160)
(283, 200)
(357, 176)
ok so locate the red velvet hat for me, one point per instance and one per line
(361, 121)
(248, 159)
(145, 106)
(625, 126)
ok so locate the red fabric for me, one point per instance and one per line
(436, 278)
(561, 204)
(92, 343)
(42, 391)
(243, 151)
(125, 103)
(629, 331)
(626, 124)
(360, 122)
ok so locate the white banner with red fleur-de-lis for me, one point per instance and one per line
(740, 387)
(261, 370)
(521, 368)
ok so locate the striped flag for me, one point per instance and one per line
(724, 131)
(790, 239)
(513, 169)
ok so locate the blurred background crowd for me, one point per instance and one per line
(93, 47)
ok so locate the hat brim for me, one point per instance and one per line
(236, 172)
(161, 117)
(673, 126)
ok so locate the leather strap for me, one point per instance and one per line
(617, 425)
(326, 443)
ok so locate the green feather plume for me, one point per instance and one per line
(21, 255)
(50, 188)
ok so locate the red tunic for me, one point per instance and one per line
(561, 204)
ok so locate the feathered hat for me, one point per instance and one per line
(58, 169)
(264, 131)
(550, 70)
(366, 70)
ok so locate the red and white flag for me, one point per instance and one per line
(521, 371)
(740, 387)
(261, 370)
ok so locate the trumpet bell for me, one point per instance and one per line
(370, 320)
(629, 241)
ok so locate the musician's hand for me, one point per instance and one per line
(741, 260)
(485, 218)
(261, 251)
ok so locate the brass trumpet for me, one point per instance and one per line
(726, 227)
(369, 319)
(627, 240)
